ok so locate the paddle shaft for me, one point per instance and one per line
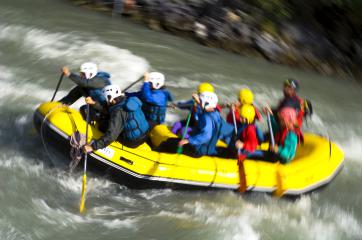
(279, 191)
(272, 142)
(234, 119)
(242, 176)
(86, 140)
(132, 84)
(179, 149)
(58, 85)
(82, 200)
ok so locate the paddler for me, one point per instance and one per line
(90, 83)
(127, 123)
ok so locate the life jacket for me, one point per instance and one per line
(281, 135)
(218, 124)
(135, 125)
(96, 93)
(156, 112)
(295, 102)
(243, 136)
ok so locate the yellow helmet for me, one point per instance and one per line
(205, 87)
(246, 96)
(247, 111)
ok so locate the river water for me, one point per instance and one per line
(39, 199)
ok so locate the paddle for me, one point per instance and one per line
(58, 85)
(242, 176)
(179, 148)
(132, 84)
(279, 191)
(82, 200)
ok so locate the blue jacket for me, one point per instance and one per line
(189, 105)
(88, 87)
(154, 102)
(211, 127)
(96, 93)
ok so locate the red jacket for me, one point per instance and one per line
(249, 138)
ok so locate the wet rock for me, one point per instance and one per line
(241, 27)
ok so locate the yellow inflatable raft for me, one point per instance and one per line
(316, 163)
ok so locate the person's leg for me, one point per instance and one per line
(135, 143)
(176, 127)
(93, 113)
(73, 95)
(169, 146)
(189, 150)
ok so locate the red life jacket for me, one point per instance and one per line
(281, 136)
(249, 137)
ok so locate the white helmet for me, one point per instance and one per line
(208, 100)
(89, 69)
(111, 92)
(157, 80)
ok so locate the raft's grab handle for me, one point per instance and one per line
(126, 160)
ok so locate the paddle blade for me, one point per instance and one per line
(279, 192)
(242, 176)
(82, 200)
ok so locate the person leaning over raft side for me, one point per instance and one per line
(90, 83)
(154, 97)
(287, 135)
(126, 123)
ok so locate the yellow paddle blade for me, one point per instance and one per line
(82, 200)
(279, 192)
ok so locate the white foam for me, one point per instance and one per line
(352, 148)
(12, 92)
(73, 182)
(9, 232)
(151, 194)
(15, 162)
(246, 220)
(62, 218)
(124, 66)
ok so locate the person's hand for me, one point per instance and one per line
(183, 142)
(66, 71)
(172, 105)
(237, 104)
(90, 101)
(239, 144)
(87, 148)
(146, 77)
(274, 149)
(267, 110)
(196, 98)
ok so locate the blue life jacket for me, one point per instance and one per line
(155, 103)
(154, 112)
(209, 148)
(96, 93)
(136, 125)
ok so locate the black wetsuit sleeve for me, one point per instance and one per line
(115, 127)
(95, 82)
(74, 94)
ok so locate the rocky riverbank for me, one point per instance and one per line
(319, 36)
